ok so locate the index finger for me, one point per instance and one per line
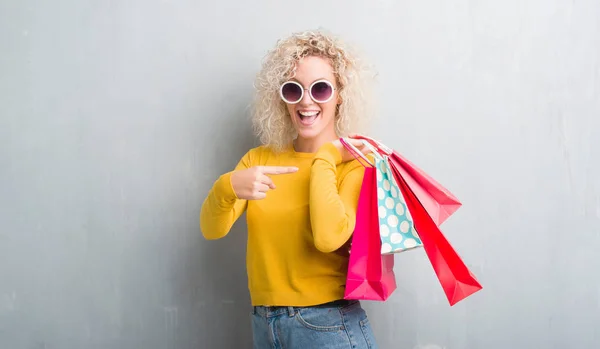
(278, 169)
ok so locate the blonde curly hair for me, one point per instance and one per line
(270, 118)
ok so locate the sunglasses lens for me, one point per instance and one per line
(291, 92)
(321, 91)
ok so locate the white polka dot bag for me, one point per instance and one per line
(396, 226)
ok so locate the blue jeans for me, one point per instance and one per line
(337, 325)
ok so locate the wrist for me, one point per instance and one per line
(224, 186)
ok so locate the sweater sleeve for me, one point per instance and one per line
(221, 207)
(333, 210)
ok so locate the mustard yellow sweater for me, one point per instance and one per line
(298, 235)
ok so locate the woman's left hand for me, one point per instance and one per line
(357, 143)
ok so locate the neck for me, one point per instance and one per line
(311, 145)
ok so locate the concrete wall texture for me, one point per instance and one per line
(117, 116)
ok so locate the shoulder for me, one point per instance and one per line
(257, 151)
(260, 155)
(253, 154)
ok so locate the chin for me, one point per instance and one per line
(308, 134)
(307, 126)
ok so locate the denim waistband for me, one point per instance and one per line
(266, 310)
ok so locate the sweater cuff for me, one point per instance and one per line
(224, 188)
(329, 153)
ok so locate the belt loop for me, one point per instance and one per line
(291, 311)
(253, 310)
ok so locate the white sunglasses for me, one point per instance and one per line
(320, 91)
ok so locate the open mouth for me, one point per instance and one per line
(307, 118)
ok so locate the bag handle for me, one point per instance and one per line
(356, 153)
(378, 145)
(373, 150)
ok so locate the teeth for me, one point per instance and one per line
(308, 113)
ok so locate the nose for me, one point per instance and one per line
(306, 100)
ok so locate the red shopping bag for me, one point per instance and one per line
(455, 277)
(370, 274)
(438, 201)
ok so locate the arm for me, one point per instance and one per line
(222, 207)
(333, 211)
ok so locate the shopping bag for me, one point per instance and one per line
(438, 201)
(370, 274)
(396, 227)
(455, 277)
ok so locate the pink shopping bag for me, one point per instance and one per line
(438, 201)
(370, 274)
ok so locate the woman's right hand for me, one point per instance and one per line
(254, 183)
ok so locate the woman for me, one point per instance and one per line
(300, 191)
